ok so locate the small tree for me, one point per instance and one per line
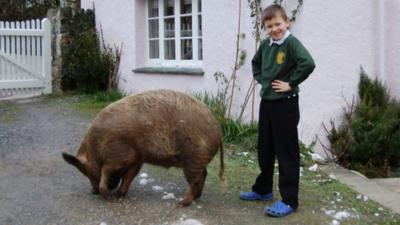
(18, 10)
(88, 66)
(369, 138)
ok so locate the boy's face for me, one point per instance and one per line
(276, 27)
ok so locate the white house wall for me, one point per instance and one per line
(341, 36)
(392, 46)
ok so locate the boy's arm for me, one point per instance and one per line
(305, 64)
(256, 64)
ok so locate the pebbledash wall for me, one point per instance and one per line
(341, 36)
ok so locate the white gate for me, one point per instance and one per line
(25, 58)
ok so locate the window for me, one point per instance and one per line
(174, 32)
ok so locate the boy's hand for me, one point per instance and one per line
(281, 86)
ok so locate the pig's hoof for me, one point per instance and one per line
(120, 194)
(185, 203)
(104, 193)
(197, 196)
(95, 191)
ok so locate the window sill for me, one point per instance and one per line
(170, 70)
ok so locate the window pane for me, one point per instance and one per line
(186, 6)
(168, 7)
(186, 49)
(153, 8)
(169, 27)
(153, 28)
(200, 49)
(169, 49)
(199, 7)
(186, 26)
(200, 27)
(154, 49)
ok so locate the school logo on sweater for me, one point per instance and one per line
(280, 57)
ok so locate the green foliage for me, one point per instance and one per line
(19, 10)
(93, 103)
(242, 58)
(369, 139)
(107, 96)
(234, 131)
(86, 67)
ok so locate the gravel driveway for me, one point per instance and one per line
(37, 187)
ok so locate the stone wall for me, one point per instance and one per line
(54, 15)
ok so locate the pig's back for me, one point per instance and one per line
(160, 124)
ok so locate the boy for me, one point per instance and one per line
(280, 64)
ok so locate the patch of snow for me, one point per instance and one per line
(333, 177)
(243, 153)
(330, 212)
(338, 216)
(157, 188)
(317, 158)
(335, 222)
(341, 215)
(362, 197)
(168, 196)
(143, 182)
(143, 175)
(189, 222)
(376, 214)
(313, 168)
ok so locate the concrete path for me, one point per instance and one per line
(384, 191)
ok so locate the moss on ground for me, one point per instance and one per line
(8, 112)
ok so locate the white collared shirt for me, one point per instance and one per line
(280, 41)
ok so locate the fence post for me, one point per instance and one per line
(47, 58)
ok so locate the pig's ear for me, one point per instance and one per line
(74, 161)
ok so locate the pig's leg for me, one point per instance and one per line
(200, 184)
(127, 179)
(95, 188)
(192, 175)
(106, 173)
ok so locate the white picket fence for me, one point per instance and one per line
(25, 58)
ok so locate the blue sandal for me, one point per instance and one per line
(253, 196)
(278, 209)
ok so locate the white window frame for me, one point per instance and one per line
(177, 62)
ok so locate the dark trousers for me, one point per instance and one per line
(277, 136)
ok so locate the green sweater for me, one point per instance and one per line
(289, 62)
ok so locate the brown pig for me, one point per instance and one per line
(159, 127)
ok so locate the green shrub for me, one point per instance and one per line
(234, 131)
(108, 96)
(369, 138)
(86, 66)
(20, 10)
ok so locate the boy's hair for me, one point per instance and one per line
(274, 11)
